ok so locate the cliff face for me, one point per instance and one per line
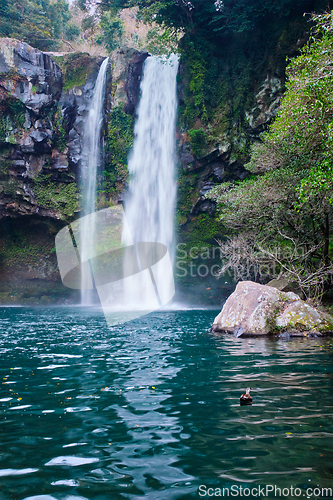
(41, 132)
(40, 145)
(44, 101)
(230, 87)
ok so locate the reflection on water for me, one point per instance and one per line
(151, 409)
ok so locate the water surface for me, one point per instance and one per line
(151, 409)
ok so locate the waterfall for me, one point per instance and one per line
(91, 160)
(150, 202)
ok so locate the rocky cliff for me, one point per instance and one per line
(228, 95)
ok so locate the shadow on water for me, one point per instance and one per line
(150, 409)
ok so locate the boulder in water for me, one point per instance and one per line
(255, 309)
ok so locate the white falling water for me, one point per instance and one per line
(91, 160)
(150, 203)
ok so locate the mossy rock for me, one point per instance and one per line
(76, 68)
(256, 310)
(61, 197)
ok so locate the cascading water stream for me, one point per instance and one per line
(91, 160)
(150, 203)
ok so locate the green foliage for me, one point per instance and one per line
(112, 6)
(259, 203)
(197, 141)
(88, 23)
(64, 198)
(161, 42)
(118, 144)
(199, 233)
(76, 68)
(3, 128)
(112, 31)
(59, 137)
(319, 181)
(17, 111)
(204, 229)
(60, 15)
(208, 19)
(41, 23)
(71, 31)
(12, 117)
(270, 236)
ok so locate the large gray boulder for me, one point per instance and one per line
(126, 77)
(255, 309)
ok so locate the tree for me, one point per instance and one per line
(112, 31)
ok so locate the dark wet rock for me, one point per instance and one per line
(286, 286)
(205, 160)
(204, 206)
(44, 138)
(219, 171)
(126, 77)
(73, 134)
(39, 136)
(41, 141)
(121, 197)
(69, 116)
(27, 145)
(207, 186)
(267, 102)
(186, 158)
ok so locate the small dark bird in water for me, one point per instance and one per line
(246, 399)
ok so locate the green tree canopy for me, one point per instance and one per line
(41, 23)
(211, 16)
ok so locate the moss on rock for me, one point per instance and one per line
(61, 197)
(118, 145)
